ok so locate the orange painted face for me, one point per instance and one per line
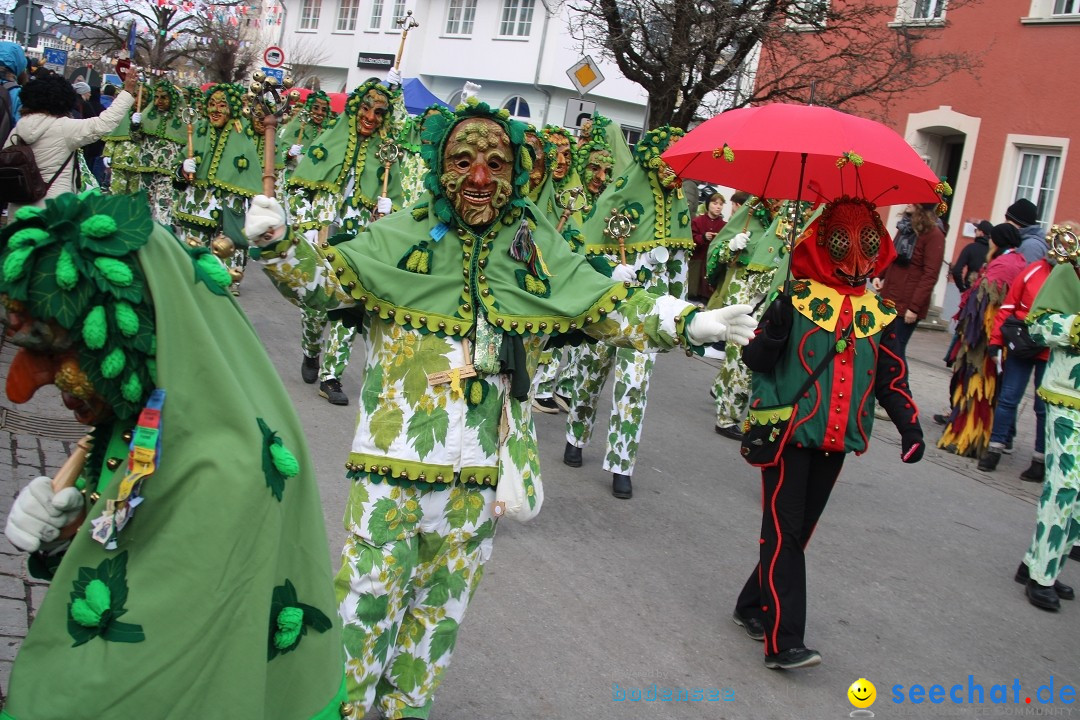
(47, 356)
(318, 112)
(478, 169)
(372, 113)
(217, 109)
(162, 101)
(597, 171)
(539, 168)
(562, 157)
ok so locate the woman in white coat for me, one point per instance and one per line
(46, 126)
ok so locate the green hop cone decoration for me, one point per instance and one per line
(113, 364)
(289, 621)
(285, 462)
(67, 275)
(98, 226)
(95, 330)
(115, 271)
(213, 267)
(88, 611)
(126, 319)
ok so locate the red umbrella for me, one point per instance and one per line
(804, 152)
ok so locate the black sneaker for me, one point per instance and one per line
(545, 405)
(990, 459)
(309, 369)
(793, 659)
(1035, 473)
(1065, 592)
(621, 487)
(331, 390)
(732, 432)
(755, 629)
(572, 456)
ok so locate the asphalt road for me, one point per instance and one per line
(909, 574)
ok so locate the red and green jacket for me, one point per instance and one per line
(837, 413)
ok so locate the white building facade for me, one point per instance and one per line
(517, 50)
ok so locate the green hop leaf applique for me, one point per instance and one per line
(241, 162)
(278, 462)
(317, 153)
(97, 602)
(800, 289)
(864, 320)
(291, 619)
(821, 309)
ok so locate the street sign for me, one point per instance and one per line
(277, 73)
(577, 111)
(274, 56)
(56, 57)
(378, 60)
(27, 18)
(585, 75)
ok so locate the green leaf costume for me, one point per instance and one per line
(177, 621)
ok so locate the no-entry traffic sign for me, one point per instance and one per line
(274, 56)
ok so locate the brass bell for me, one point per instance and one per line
(249, 97)
(255, 88)
(287, 82)
(294, 95)
(222, 247)
(258, 76)
(194, 242)
(245, 111)
(270, 81)
(236, 274)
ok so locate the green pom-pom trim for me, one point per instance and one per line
(213, 267)
(15, 263)
(95, 330)
(285, 462)
(115, 271)
(290, 622)
(113, 364)
(27, 237)
(98, 226)
(126, 319)
(67, 275)
(28, 211)
(98, 596)
(132, 389)
(82, 613)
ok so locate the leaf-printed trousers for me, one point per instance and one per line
(732, 383)
(336, 347)
(410, 565)
(631, 370)
(1057, 526)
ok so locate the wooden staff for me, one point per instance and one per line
(270, 122)
(188, 116)
(619, 226)
(406, 23)
(66, 476)
(389, 153)
(567, 200)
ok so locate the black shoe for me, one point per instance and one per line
(1042, 597)
(1023, 576)
(941, 419)
(545, 405)
(1074, 554)
(755, 629)
(309, 369)
(331, 390)
(990, 459)
(1036, 472)
(1008, 448)
(732, 432)
(792, 659)
(621, 487)
(712, 393)
(571, 456)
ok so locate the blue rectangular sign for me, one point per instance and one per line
(55, 56)
(277, 73)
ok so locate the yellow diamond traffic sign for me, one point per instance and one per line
(585, 75)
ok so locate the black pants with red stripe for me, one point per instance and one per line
(794, 494)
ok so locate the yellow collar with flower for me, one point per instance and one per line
(823, 305)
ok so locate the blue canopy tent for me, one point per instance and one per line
(417, 97)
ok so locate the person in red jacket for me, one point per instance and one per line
(1015, 374)
(704, 228)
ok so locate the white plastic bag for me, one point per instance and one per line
(519, 493)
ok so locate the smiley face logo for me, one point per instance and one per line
(862, 693)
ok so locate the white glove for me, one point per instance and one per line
(39, 515)
(264, 214)
(296, 151)
(624, 273)
(136, 118)
(732, 324)
(470, 90)
(107, 161)
(393, 77)
(739, 242)
(189, 166)
(384, 206)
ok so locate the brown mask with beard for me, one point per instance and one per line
(539, 168)
(478, 169)
(597, 171)
(217, 109)
(562, 157)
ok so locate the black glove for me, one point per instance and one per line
(912, 446)
(778, 318)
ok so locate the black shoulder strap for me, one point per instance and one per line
(844, 336)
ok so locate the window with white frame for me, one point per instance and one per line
(399, 12)
(1066, 7)
(460, 16)
(516, 18)
(375, 19)
(518, 106)
(346, 15)
(1037, 179)
(632, 135)
(930, 12)
(309, 14)
(1052, 12)
(807, 14)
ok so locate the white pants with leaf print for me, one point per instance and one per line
(409, 568)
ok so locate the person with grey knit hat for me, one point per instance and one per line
(1024, 216)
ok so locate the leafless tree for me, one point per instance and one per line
(227, 52)
(305, 56)
(692, 56)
